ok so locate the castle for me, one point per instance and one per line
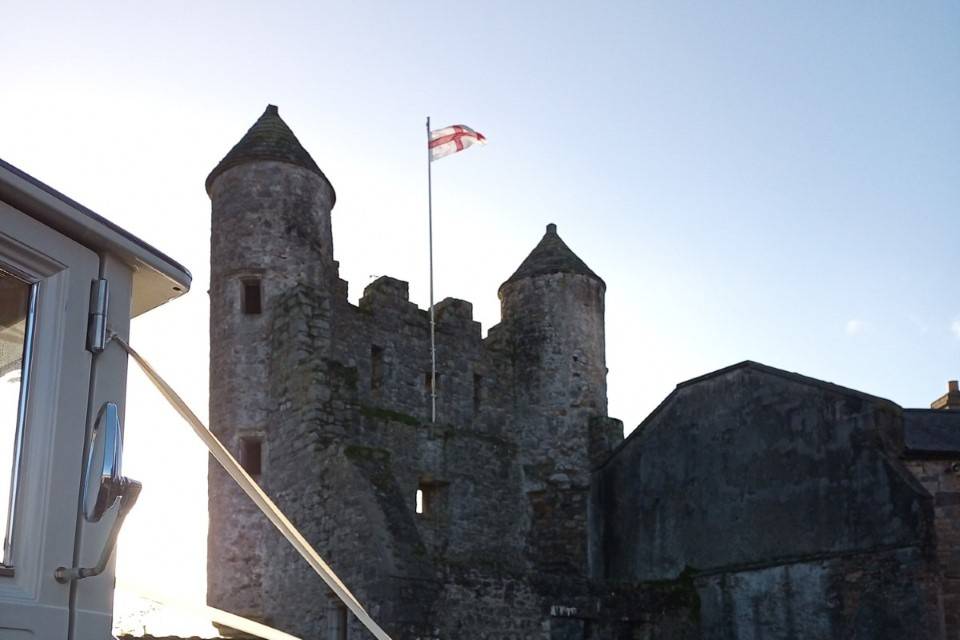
(752, 503)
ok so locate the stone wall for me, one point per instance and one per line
(941, 477)
(350, 444)
(881, 595)
(785, 497)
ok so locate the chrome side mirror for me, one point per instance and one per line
(103, 486)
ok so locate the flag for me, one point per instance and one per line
(448, 140)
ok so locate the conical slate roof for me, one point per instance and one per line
(551, 255)
(268, 139)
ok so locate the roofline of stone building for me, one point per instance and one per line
(940, 448)
(790, 375)
(745, 364)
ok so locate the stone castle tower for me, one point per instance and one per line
(271, 232)
(327, 403)
(752, 503)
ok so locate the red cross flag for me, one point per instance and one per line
(449, 140)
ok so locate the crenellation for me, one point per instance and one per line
(341, 288)
(387, 287)
(451, 310)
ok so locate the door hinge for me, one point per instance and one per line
(97, 322)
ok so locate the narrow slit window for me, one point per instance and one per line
(428, 381)
(376, 367)
(252, 298)
(425, 500)
(251, 455)
(477, 393)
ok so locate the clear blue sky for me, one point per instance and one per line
(776, 181)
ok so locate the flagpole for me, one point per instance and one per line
(433, 339)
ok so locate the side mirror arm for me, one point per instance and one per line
(129, 491)
(103, 487)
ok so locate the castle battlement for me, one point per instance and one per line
(333, 412)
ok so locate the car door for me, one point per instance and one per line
(45, 370)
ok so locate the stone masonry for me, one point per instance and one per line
(752, 504)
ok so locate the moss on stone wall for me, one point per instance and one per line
(358, 452)
(378, 413)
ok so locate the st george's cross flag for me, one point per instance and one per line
(449, 140)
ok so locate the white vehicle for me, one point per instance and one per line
(66, 275)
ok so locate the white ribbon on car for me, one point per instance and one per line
(265, 504)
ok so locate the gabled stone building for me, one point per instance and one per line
(753, 503)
